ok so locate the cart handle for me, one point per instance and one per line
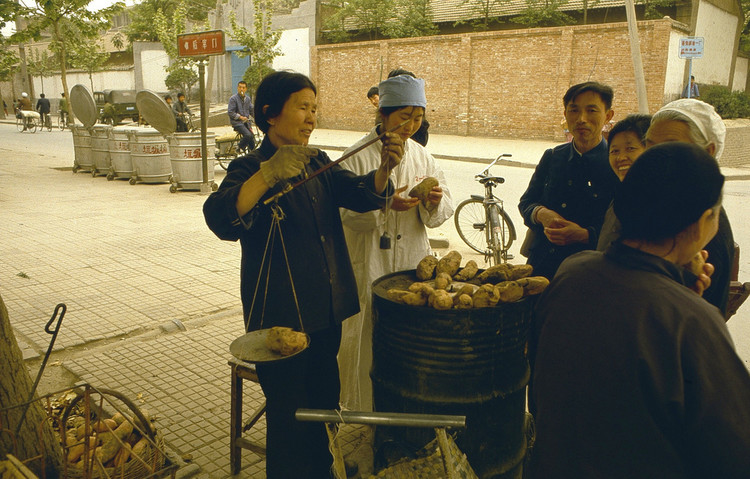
(380, 418)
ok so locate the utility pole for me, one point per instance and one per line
(635, 53)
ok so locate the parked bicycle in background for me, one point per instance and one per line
(482, 222)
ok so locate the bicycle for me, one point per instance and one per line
(482, 220)
(46, 122)
(62, 120)
(26, 120)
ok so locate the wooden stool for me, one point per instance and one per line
(240, 371)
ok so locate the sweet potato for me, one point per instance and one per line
(468, 272)
(285, 341)
(426, 268)
(533, 284)
(141, 449)
(518, 271)
(77, 450)
(442, 281)
(440, 299)
(422, 190)
(495, 274)
(449, 263)
(422, 288)
(486, 296)
(119, 418)
(466, 289)
(414, 299)
(123, 455)
(695, 265)
(509, 291)
(463, 301)
(396, 295)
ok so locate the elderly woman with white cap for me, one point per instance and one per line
(693, 121)
(390, 239)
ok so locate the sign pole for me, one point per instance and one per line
(205, 187)
(690, 78)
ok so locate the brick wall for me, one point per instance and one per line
(737, 144)
(499, 84)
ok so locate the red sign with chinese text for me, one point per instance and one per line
(201, 43)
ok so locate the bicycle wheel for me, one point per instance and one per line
(19, 124)
(60, 123)
(48, 122)
(33, 125)
(470, 219)
(501, 234)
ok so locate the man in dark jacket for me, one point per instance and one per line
(240, 113)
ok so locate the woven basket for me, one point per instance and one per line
(152, 460)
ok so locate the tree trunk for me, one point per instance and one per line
(63, 69)
(36, 437)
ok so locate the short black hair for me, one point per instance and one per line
(668, 189)
(241, 82)
(605, 92)
(636, 123)
(41, 95)
(274, 91)
(400, 71)
(372, 92)
(167, 97)
(180, 94)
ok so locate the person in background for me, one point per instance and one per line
(64, 108)
(691, 89)
(43, 107)
(181, 112)
(422, 134)
(573, 184)
(404, 222)
(24, 103)
(636, 375)
(240, 115)
(5, 108)
(308, 253)
(695, 121)
(168, 100)
(373, 95)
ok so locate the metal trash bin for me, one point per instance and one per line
(119, 153)
(468, 362)
(100, 150)
(83, 159)
(149, 152)
(187, 162)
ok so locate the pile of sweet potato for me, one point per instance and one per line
(445, 285)
(111, 442)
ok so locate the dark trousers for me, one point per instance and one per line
(309, 380)
(248, 139)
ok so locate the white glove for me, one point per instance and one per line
(287, 162)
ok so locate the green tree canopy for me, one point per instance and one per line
(88, 56)
(142, 15)
(378, 19)
(260, 43)
(543, 13)
(414, 20)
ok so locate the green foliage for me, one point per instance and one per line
(482, 11)
(142, 15)
(40, 63)
(8, 64)
(414, 20)
(652, 8)
(745, 35)
(182, 79)
(260, 44)
(543, 13)
(88, 56)
(728, 104)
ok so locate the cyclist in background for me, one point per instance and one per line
(240, 110)
(43, 107)
(64, 112)
(404, 225)
(181, 112)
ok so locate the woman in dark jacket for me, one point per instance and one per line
(302, 278)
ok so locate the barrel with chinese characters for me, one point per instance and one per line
(187, 161)
(149, 152)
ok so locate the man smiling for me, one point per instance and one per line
(572, 185)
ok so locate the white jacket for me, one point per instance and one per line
(409, 244)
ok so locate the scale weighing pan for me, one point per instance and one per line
(156, 112)
(252, 348)
(83, 105)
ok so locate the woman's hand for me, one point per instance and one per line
(403, 203)
(434, 197)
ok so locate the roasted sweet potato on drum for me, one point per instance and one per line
(426, 268)
(468, 272)
(450, 263)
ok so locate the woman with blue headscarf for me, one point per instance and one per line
(389, 239)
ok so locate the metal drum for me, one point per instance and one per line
(149, 152)
(119, 153)
(100, 149)
(187, 162)
(83, 159)
(468, 362)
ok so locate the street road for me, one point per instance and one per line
(82, 239)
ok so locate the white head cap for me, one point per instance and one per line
(24, 95)
(703, 116)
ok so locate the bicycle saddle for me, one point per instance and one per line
(494, 179)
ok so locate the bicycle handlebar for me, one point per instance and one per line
(485, 172)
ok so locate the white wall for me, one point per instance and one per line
(295, 47)
(104, 80)
(153, 64)
(740, 74)
(718, 29)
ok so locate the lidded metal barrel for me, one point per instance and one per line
(83, 159)
(468, 362)
(119, 152)
(187, 161)
(149, 152)
(100, 149)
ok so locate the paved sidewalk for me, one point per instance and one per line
(152, 295)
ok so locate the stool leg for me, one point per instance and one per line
(235, 427)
